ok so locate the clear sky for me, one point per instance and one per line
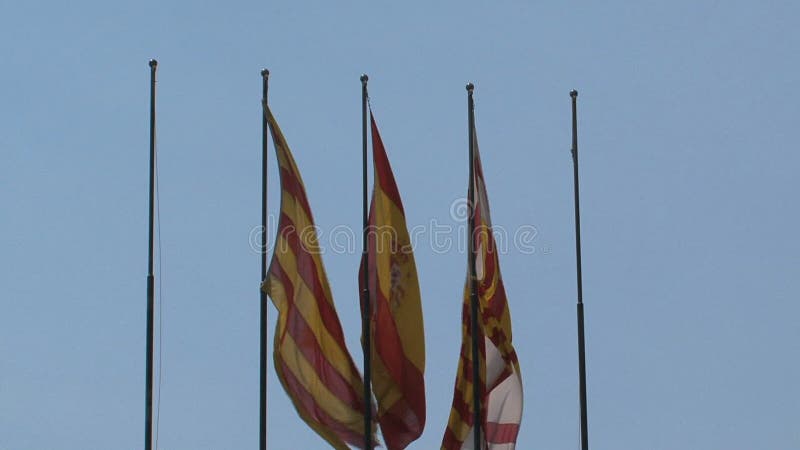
(688, 115)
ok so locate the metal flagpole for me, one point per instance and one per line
(366, 313)
(262, 423)
(474, 310)
(581, 337)
(148, 403)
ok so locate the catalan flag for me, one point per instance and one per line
(500, 379)
(311, 359)
(398, 341)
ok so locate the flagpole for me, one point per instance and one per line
(581, 337)
(262, 423)
(148, 403)
(474, 310)
(366, 312)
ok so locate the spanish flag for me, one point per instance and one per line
(311, 359)
(500, 379)
(398, 340)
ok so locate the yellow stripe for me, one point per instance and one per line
(407, 312)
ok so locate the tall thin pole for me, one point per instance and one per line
(581, 338)
(473, 277)
(148, 402)
(366, 313)
(262, 423)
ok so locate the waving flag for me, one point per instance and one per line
(398, 349)
(500, 379)
(311, 359)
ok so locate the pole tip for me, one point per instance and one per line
(573, 93)
(265, 73)
(470, 87)
(364, 78)
(153, 63)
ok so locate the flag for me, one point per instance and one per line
(311, 359)
(500, 379)
(398, 340)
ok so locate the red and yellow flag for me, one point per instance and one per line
(398, 340)
(501, 382)
(311, 358)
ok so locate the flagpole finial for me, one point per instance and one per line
(364, 78)
(573, 93)
(152, 63)
(265, 73)
(470, 87)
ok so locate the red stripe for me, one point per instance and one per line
(501, 377)
(466, 367)
(305, 340)
(389, 347)
(371, 277)
(498, 338)
(406, 422)
(464, 412)
(400, 426)
(478, 166)
(489, 262)
(463, 409)
(385, 177)
(496, 305)
(502, 433)
(291, 183)
(465, 376)
(460, 406)
(303, 400)
(466, 355)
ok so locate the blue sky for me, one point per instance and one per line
(688, 112)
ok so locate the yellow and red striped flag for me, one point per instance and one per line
(500, 379)
(398, 340)
(310, 355)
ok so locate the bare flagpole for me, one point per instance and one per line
(148, 403)
(581, 337)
